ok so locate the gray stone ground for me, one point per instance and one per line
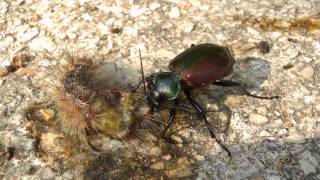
(269, 139)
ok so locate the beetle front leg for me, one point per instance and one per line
(137, 87)
(202, 113)
(229, 83)
(172, 118)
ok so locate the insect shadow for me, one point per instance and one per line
(250, 71)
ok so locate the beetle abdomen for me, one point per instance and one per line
(203, 64)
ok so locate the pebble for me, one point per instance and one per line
(234, 101)
(4, 7)
(297, 104)
(262, 110)
(49, 142)
(164, 53)
(187, 27)
(3, 72)
(265, 133)
(200, 157)
(174, 12)
(177, 139)
(318, 107)
(8, 41)
(155, 151)
(167, 157)
(157, 165)
(276, 123)
(307, 73)
(257, 119)
(42, 43)
(180, 170)
(307, 167)
(136, 11)
(257, 178)
(296, 138)
(283, 132)
(28, 35)
(154, 6)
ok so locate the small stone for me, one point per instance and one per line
(308, 100)
(137, 11)
(87, 17)
(48, 114)
(257, 119)
(187, 27)
(42, 43)
(181, 169)
(282, 132)
(155, 151)
(46, 173)
(234, 101)
(20, 60)
(35, 17)
(157, 165)
(276, 123)
(3, 72)
(307, 73)
(262, 110)
(71, 34)
(257, 178)
(28, 35)
(296, 138)
(177, 139)
(174, 12)
(288, 125)
(307, 167)
(154, 6)
(200, 157)
(8, 41)
(264, 47)
(164, 53)
(265, 133)
(317, 106)
(70, 3)
(49, 142)
(167, 157)
(4, 7)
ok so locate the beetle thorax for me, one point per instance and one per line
(164, 86)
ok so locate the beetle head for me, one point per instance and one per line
(162, 87)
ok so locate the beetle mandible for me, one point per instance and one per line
(198, 66)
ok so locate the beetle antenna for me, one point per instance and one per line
(142, 74)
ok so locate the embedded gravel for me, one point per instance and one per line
(276, 45)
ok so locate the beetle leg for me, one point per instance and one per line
(202, 113)
(171, 120)
(136, 88)
(229, 83)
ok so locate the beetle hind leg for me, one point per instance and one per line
(202, 113)
(229, 83)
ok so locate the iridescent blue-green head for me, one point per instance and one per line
(162, 87)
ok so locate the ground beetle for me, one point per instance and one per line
(196, 67)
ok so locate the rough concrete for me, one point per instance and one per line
(269, 139)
